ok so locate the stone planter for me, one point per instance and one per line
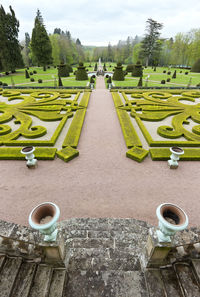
(171, 219)
(175, 156)
(29, 156)
(44, 218)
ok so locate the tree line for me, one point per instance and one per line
(43, 49)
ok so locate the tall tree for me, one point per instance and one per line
(150, 45)
(10, 51)
(40, 42)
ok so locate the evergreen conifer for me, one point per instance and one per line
(118, 72)
(40, 42)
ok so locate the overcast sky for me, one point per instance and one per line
(97, 22)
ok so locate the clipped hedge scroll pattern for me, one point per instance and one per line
(156, 106)
(46, 105)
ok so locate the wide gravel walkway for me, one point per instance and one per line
(101, 182)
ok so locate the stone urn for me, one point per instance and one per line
(29, 156)
(175, 156)
(171, 218)
(44, 218)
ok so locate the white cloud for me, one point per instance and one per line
(98, 22)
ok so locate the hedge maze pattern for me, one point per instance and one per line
(181, 107)
(19, 107)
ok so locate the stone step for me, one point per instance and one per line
(103, 260)
(24, 280)
(187, 279)
(155, 283)
(41, 283)
(58, 280)
(105, 283)
(8, 275)
(171, 283)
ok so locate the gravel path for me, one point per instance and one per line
(101, 182)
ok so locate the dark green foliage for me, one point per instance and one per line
(168, 80)
(129, 68)
(196, 66)
(198, 85)
(81, 73)
(118, 72)
(95, 67)
(27, 74)
(181, 71)
(186, 73)
(10, 50)
(107, 76)
(174, 74)
(169, 72)
(162, 81)
(1, 83)
(164, 71)
(140, 82)
(154, 69)
(32, 79)
(39, 81)
(151, 45)
(7, 73)
(60, 82)
(34, 71)
(91, 80)
(5, 84)
(137, 70)
(40, 42)
(109, 80)
(93, 76)
(31, 73)
(104, 67)
(63, 70)
(125, 72)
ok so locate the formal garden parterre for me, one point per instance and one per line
(40, 118)
(152, 121)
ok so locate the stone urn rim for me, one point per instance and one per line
(28, 149)
(44, 207)
(176, 150)
(177, 211)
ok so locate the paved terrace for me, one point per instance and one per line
(101, 182)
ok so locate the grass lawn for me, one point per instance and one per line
(48, 78)
(155, 78)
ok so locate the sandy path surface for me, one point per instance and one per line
(101, 182)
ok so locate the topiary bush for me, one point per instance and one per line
(95, 67)
(118, 72)
(162, 82)
(181, 71)
(60, 82)
(5, 84)
(186, 73)
(92, 80)
(32, 79)
(1, 83)
(169, 72)
(174, 74)
(31, 73)
(154, 69)
(109, 80)
(34, 71)
(164, 71)
(140, 82)
(196, 66)
(107, 76)
(168, 80)
(39, 80)
(63, 70)
(129, 68)
(81, 73)
(137, 70)
(27, 74)
(7, 73)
